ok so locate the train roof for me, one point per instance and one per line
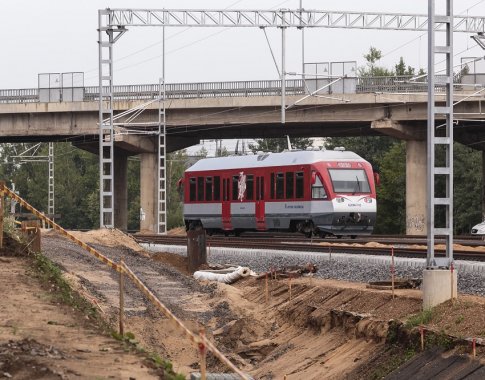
(300, 157)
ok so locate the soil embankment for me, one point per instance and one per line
(329, 329)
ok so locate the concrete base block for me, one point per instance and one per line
(439, 285)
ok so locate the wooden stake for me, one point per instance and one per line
(474, 347)
(392, 271)
(289, 282)
(2, 184)
(122, 300)
(421, 332)
(266, 295)
(451, 273)
(202, 353)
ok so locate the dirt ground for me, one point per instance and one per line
(328, 330)
(41, 339)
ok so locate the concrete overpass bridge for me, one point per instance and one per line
(391, 106)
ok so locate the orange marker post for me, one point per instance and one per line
(122, 299)
(474, 347)
(203, 354)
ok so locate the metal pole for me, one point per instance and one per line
(283, 75)
(302, 42)
(430, 136)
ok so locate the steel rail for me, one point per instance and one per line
(400, 249)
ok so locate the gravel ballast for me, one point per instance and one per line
(340, 266)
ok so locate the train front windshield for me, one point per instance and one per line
(349, 181)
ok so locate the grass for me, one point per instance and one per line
(422, 318)
(397, 358)
(131, 344)
(61, 290)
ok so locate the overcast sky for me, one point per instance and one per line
(54, 36)
(40, 36)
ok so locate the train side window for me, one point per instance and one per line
(299, 185)
(272, 185)
(192, 189)
(290, 179)
(250, 187)
(280, 185)
(235, 189)
(208, 188)
(217, 188)
(200, 188)
(262, 188)
(318, 191)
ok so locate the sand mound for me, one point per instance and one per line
(105, 236)
(179, 231)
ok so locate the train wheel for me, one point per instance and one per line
(353, 236)
(308, 234)
(322, 234)
(339, 236)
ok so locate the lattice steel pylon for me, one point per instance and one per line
(438, 143)
(162, 163)
(108, 35)
(50, 205)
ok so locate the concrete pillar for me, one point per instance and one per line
(416, 187)
(120, 190)
(148, 192)
(483, 188)
(439, 285)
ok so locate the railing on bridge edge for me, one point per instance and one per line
(394, 84)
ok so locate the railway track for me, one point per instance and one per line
(403, 247)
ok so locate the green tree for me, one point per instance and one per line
(402, 69)
(279, 144)
(176, 164)
(371, 69)
(467, 174)
(391, 194)
(371, 148)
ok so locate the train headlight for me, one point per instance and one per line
(367, 200)
(340, 200)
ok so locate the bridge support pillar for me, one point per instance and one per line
(148, 192)
(483, 185)
(416, 187)
(120, 190)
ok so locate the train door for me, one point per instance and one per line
(260, 209)
(226, 204)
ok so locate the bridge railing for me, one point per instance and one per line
(346, 85)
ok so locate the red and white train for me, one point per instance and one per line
(318, 192)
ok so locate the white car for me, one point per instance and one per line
(479, 229)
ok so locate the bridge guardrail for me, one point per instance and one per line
(393, 84)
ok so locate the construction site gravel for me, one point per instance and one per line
(327, 330)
